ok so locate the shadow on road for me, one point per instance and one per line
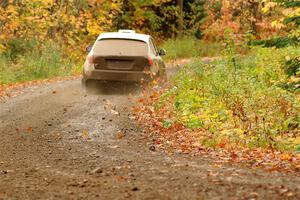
(112, 87)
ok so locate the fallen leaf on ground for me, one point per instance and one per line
(114, 112)
(85, 133)
(120, 135)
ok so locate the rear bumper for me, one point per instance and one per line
(114, 75)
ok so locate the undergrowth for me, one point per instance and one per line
(26, 60)
(238, 100)
(188, 47)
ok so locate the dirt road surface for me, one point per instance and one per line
(57, 142)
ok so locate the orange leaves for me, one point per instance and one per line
(151, 114)
(286, 157)
(120, 135)
(29, 129)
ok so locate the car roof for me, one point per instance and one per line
(124, 34)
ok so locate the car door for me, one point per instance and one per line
(158, 62)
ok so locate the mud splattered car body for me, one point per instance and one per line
(123, 56)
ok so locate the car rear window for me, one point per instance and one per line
(122, 47)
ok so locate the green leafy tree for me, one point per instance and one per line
(194, 14)
(289, 20)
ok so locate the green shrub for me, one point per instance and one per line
(188, 47)
(292, 66)
(25, 60)
(278, 42)
(238, 100)
(18, 46)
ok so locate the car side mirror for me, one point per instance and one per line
(162, 52)
(89, 48)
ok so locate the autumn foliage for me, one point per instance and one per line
(245, 98)
(78, 22)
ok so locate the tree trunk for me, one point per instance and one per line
(3, 3)
(180, 19)
(256, 15)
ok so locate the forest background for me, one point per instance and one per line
(41, 39)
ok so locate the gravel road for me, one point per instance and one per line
(57, 142)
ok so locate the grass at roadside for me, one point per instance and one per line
(188, 47)
(237, 100)
(26, 60)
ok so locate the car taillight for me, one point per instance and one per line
(90, 59)
(150, 61)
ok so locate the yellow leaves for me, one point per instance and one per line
(49, 18)
(38, 19)
(2, 47)
(49, 2)
(284, 12)
(297, 139)
(114, 6)
(93, 28)
(159, 2)
(30, 18)
(277, 24)
(290, 12)
(85, 133)
(11, 10)
(268, 6)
